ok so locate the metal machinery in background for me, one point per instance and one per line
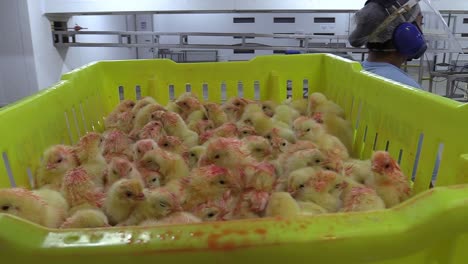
(200, 46)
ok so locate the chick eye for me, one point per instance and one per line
(154, 179)
(139, 151)
(211, 215)
(163, 204)
(129, 194)
(337, 186)
(245, 132)
(114, 171)
(387, 166)
(192, 154)
(131, 169)
(318, 161)
(237, 104)
(133, 116)
(222, 182)
(284, 144)
(165, 144)
(264, 107)
(59, 160)
(328, 168)
(308, 130)
(268, 137)
(5, 207)
(217, 156)
(301, 186)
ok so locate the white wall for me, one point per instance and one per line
(28, 59)
(78, 56)
(52, 62)
(17, 70)
(100, 6)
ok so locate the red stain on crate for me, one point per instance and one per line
(260, 231)
(197, 234)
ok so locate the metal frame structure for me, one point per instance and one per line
(127, 39)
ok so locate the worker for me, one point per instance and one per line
(391, 30)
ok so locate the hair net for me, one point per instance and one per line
(368, 19)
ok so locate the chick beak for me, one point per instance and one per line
(50, 166)
(140, 197)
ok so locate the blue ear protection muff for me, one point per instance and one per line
(408, 38)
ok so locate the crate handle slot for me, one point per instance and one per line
(289, 87)
(138, 92)
(387, 145)
(171, 92)
(68, 127)
(256, 90)
(223, 91)
(205, 91)
(375, 141)
(400, 156)
(438, 160)
(11, 177)
(85, 124)
(417, 156)
(30, 178)
(240, 89)
(358, 117)
(76, 122)
(121, 93)
(305, 88)
(188, 88)
(365, 135)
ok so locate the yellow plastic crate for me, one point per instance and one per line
(429, 228)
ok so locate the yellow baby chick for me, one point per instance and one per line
(309, 129)
(208, 183)
(86, 218)
(216, 114)
(158, 204)
(141, 147)
(300, 105)
(170, 165)
(282, 204)
(89, 154)
(388, 179)
(194, 155)
(174, 125)
(57, 160)
(258, 147)
(310, 208)
(225, 152)
(143, 116)
(285, 114)
(142, 103)
(34, 206)
(316, 185)
(319, 103)
(122, 199)
(79, 189)
(152, 130)
(120, 168)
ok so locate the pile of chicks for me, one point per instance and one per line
(193, 161)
